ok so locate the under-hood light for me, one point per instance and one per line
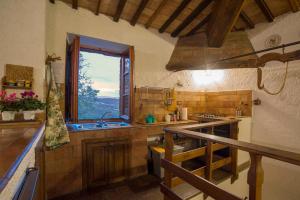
(207, 77)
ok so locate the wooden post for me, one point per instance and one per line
(168, 156)
(234, 152)
(255, 177)
(209, 158)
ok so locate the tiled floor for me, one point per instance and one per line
(142, 188)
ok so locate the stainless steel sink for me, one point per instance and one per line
(97, 126)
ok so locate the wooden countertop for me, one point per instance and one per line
(167, 123)
(15, 141)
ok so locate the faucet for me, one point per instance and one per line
(101, 122)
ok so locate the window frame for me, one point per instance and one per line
(71, 114)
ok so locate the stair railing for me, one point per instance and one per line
(201, 178)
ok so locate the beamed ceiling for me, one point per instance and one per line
(187, 17)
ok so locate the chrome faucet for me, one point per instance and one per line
(101, 122)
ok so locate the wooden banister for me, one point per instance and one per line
(217, 146)
(187, 155)
(255, 177)
(208, 161)
(214, 143)
(199, 172)
(233, 152)
(285, 156)
(198, 182)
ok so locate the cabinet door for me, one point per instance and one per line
(118, 161)
(96, 164)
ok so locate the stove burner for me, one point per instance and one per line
(210, 115)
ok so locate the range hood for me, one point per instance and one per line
(193, 53)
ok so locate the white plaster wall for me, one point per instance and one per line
(152, 50)
(22, 37)
(276, 121)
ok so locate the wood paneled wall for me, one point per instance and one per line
(152, 102)
(221, 103)
(226, 102)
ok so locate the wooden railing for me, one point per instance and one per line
(201, 177)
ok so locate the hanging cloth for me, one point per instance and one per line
(56, 132)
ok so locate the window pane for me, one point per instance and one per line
(98, 86)
(126, 84)
(127, 65)
(126, 105)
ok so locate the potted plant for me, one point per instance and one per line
(9, 105)
(29, 104)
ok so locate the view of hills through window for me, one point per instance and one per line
(98, 86)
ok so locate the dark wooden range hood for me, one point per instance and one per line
(193, 53)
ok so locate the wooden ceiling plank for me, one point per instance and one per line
(247, 20)
(156, 12)
(265, 9)
(119, 10)
(98, 7)
(204, 4)
(198, 26)
(75, 4)
(174, 15)
(294, 5)
(138, 12)
(223, 18)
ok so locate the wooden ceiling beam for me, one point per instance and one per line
(223, 18)
(138, 12)
(247, 20)
(204, 4)
(265, 10)
(294, 4)
(119, 10)
(199, 26)
(156, 12)
(98, 7)
(75, 4)
(174, 15)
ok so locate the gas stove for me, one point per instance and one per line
(207, 117)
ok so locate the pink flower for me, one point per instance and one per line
(11, 97)
(24, 94)
(31, 93)
(2, 93)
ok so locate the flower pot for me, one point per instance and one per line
(8, 115)
(29, 115)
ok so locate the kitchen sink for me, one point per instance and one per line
(96, 126)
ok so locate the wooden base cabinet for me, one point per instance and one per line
(105, 161)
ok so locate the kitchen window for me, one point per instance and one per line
(99, 82)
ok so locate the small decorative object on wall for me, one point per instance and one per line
(273, 41)
(257, 102)
(9, 105)
(17, 77)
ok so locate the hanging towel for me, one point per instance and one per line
(56, 132)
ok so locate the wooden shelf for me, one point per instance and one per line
(15, 87)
